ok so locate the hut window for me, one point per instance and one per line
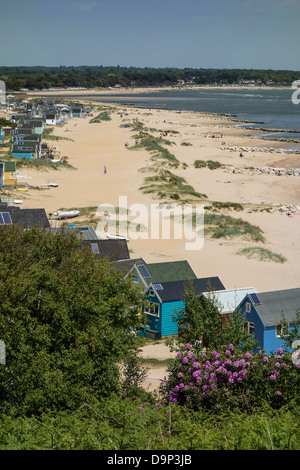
(152, 309)
(249, 326)
(248, 307)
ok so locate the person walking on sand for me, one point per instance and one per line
(105, 170)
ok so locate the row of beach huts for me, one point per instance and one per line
(26, 132)
(164, 285)
(30, 120)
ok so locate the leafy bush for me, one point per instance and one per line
(232, 380)
(213, 165)
(199, 163)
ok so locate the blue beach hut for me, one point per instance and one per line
(164, 299)
(264, 312)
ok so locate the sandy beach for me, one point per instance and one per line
(92, 146)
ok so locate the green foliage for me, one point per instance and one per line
(168, 185)
(211, 164)
(199, 163)
(66, 319)
(291, 336)
(7, 123)
(129, 425)
(227, 205)
(134, 373)
(103, 116)
(225, 226)
(48, 135)
(232, 380)
(99, 76)
(262, 254)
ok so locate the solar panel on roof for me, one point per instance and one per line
(158, 287)
(255, 299)
(144, 271)
(6, 217)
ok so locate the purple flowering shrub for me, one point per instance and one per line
(231, 379)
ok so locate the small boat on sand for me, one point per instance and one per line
(116, 237)
(66, 214)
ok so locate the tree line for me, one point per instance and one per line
(38, 77)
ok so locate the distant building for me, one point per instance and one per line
(28, 149)
(8, 174)
(24, 217)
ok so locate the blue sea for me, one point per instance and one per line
(261, 108)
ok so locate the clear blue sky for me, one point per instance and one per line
(155, 33)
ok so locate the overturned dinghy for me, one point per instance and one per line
(116, 237)
(66, 214)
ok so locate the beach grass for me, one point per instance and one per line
(262, 254)
(211, 164)
(48, 135)
(43, 165)
(103, 116)
(218, 205)
(221, 226)
(167, 185)
(225, 226)
(40, 164)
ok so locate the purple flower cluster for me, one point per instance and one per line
(212, 377)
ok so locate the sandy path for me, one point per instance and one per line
(156, 374)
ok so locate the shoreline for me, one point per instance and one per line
(141, 90)
(99, 144)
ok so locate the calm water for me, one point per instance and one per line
(273, 108)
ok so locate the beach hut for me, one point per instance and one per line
(8, 174)
(264, 312)
(164, 299)
(146, 273)
(22, 131)
(228, 300)
(113, 250)
(29, 150)
(26, 218)
(77, 110)
(53, 117)
(1, 136)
